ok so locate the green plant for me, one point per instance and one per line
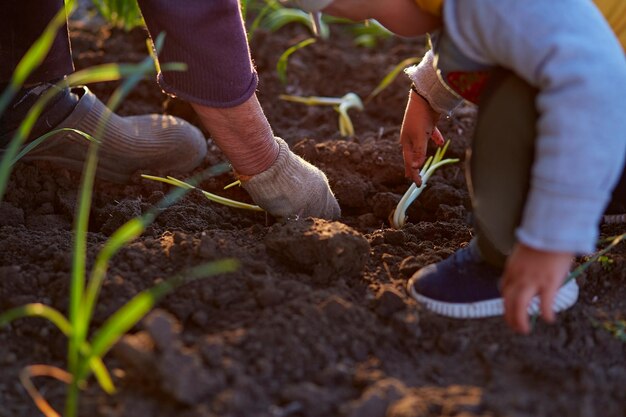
(85, 356)
(281, 65)
(340, 104)
(261, 8)
(368, 33)
(123, 14)
(213, 197)
(391, 75)
(614, 241)
(617, 328)
(399, 217)
(606, 262)
(276, 18)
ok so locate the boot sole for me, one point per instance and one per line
(564, 299)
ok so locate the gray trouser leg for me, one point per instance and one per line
(21, 24)
(500, 162)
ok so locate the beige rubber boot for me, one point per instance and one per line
(148, 143)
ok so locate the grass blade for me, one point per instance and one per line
(213, 197)
(616, 240)
(388, 79)
(37, 310)
(32, 145)
(270, 5)
(281, 65)
(128, 315)
(102, 375)
(283, 16)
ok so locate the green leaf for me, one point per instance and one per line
(37, 310)
(213, 197)
(581, 268)
(123, 14)
(270, 5)
(281, 65)
(101, 373)
(283, 16)
(32, 145)
(134, 310)
(388, 79)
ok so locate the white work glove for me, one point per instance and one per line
(292, 187)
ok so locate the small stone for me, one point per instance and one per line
(388, 301)
(394, 237)
(184, 378)
(163, 328)
(136, 351)
(269, 296)
(377, 398)
(409, 266)
(336, 307)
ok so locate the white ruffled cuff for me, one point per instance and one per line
(429, 85)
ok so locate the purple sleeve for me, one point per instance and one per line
(209, 36)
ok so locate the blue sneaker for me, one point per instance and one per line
(465, 286)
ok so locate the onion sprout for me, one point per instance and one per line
(340, 104)
(213, 197)
(432, 163)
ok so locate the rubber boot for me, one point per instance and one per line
(147, 143)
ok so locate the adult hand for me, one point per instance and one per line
(529, 272)
(419, 125)
(292, 187)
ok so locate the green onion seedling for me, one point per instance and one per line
(213, 197)
(432, 163)
(283, 16)
(388, 79)
(281, 65)
(340, 104)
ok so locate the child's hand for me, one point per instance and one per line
(419, 125)
(529, 272)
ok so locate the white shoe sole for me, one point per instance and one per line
(614, 218)
(564, 299)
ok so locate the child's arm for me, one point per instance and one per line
(430, 98)
(402, 17)
(419, 125)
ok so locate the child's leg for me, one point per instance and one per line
(466, 285)
(500, 162)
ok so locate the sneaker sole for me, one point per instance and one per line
(564, 299)
(614, 218)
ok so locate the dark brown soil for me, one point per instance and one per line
(316, 322)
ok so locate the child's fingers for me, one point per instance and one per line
(516, 300)
(413, 160)
(438, 137)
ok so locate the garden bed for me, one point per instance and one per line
(316, 322)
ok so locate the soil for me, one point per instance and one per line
(316, 322)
